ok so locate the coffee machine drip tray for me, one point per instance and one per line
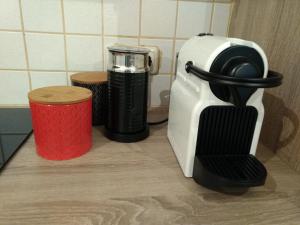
(229, 171)
(223, 148)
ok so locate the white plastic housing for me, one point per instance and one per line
(190, 95)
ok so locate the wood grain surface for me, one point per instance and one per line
(138, 183)
(89, 77)
(57, 95)
(275, 25)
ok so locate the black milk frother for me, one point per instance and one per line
(128, 74)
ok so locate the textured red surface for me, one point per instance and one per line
(62, 131)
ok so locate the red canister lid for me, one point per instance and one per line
(59, 95)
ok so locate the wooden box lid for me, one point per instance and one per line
(59, 95)
(90, 77)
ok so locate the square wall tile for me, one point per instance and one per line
(109, 41)
(178, 45)
(10, 14)
(193, 18)
(121, 17)
(44, 79)
(166, 49)
(159, 90)
(42, 15)
(83, 16)
(158, 18)
(46, 51)
(221, 18)
(12, 53)
(84, 53)
(14, 87)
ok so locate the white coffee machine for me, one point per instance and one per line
(216, 110)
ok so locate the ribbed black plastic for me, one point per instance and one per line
(99, 104)
(127, 105)
(223, 145)
(225, 130)
(229, 171)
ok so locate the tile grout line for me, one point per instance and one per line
(83, 34)
(25, 45)
(89, 34)
(65, 40)
(44, 32)
(27, 106)
(57, 71)
(31, 70)
(140, 22)
(174, 43)
(212, 16)
(10, 30)
(224, 2)
(230, 17)
(64, 71)
(102, 35)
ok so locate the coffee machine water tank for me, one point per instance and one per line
(216, 110)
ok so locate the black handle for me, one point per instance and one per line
(273, 79)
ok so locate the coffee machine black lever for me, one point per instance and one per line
(237, 78)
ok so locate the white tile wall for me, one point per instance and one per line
(84, 53)
(158, 18)
(83, 16)
(160, 90)
(44, 79)
(14, 87)
(66, 36)
(42, 15)
(220, 18)
(12, 52)
(166, 53)
(45, 51)
(121, 17)
(10, 14)
(193, 18)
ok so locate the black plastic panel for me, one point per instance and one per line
(15, 128)
(222, 153)
(229, 171)
(99, 104)
(225, 130)
(127, 105)
(227, 63)
(15, 121)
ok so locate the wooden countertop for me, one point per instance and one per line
(138, 183)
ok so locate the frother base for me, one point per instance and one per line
(127, 137)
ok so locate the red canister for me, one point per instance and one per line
(62, 121)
